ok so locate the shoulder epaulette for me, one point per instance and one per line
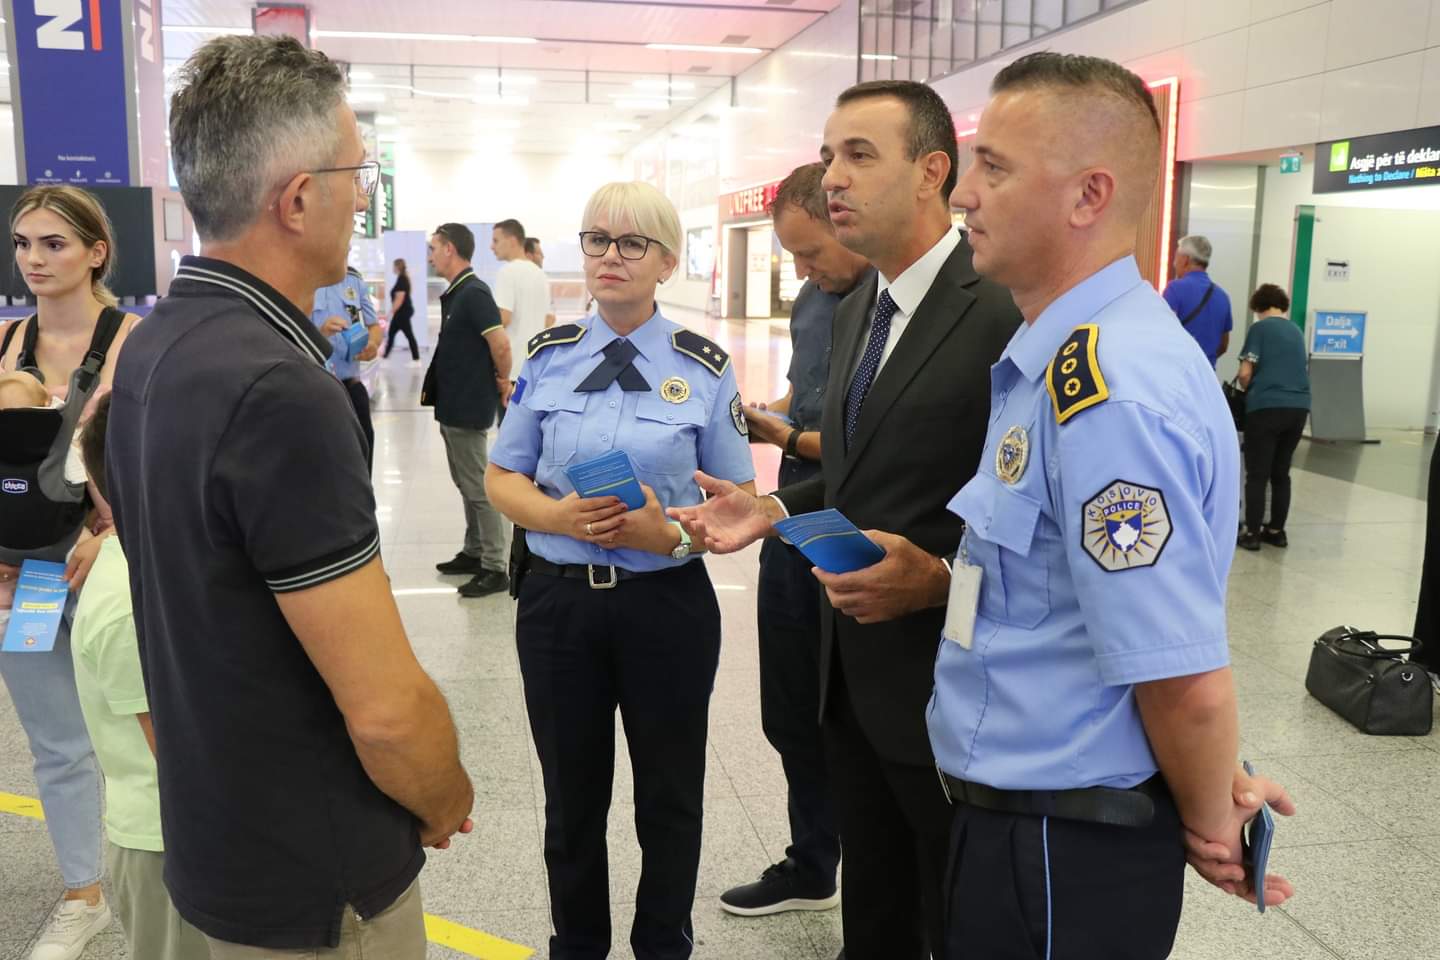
(354, 273)
(565, 333)
(1073, 377)
(700, 348)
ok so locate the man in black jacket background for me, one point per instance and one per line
(906, 409)
(468, 382)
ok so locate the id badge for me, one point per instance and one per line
(963, 605)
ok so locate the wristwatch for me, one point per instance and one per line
(682, 550)
(792, 444)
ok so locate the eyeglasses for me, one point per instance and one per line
(632, 246)
(367, 175)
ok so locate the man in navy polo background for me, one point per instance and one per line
(1202, 306)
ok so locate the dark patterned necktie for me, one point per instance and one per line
(869, 363)
(617, 365)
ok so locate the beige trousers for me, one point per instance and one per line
(396, 934)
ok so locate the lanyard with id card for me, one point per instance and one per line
(964, 602)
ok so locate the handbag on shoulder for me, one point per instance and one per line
(1377, 688)
(1235, 400)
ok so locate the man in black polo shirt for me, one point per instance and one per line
(468, 382)
(304, 756)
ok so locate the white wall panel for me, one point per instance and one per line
(1215, 125)
(1216, 65)
(1372, 98)
(1428, 115)
(1433, 39)
(1262, 10)
(1289, 46)
(1154, 25)
(1209, 17)
(1283, 113)
(1365, 30)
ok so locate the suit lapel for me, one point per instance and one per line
(847, 340)
(938, 314)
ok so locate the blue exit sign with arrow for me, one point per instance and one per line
(1338, 333)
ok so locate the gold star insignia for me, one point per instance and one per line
(707, 349)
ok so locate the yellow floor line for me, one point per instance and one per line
(473, 943)
(21, 806)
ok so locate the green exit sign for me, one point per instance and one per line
(1290, 163)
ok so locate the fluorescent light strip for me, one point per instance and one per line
(436, 37)
(701, 48)
(878, 56)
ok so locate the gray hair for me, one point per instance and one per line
(248, 111)
(1197, 248)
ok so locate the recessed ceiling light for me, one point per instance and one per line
(437, 37)
(701, 48)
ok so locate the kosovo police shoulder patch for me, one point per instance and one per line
(737, 417)
(1073, 377)
(565, 333)
(1125, 526)
(707, 351)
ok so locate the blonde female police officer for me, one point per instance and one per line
(615, 608)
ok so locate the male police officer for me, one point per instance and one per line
(337, 308)
(788, 598)
(1084, 712)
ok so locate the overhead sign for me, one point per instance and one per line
(1407, 159)
(1338, 333)
(72, 116)
(1290, 163)
(748, 203)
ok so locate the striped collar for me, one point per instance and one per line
(465, 274)
(216, 277)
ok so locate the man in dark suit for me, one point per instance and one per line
(906, 410)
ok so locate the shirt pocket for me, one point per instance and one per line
(1003, 522)
(664, 437)
(563, 413)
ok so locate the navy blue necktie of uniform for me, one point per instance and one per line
(617, 365)
(869, 363)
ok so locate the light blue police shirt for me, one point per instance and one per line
(551, 426)
(1105, 554)
(351, 300)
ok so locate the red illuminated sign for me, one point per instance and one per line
(751, 202)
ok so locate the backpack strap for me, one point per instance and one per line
(1199, 306)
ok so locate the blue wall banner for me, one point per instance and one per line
(72, 114)
(1338, 333)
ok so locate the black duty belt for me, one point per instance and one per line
(600, 576)
(1120, 808)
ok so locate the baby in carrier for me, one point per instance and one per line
(36, 450)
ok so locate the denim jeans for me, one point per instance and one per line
(42, 687)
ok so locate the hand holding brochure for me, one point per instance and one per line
(40, 596)
(608, 475)
(830, 541)
(1259, 834)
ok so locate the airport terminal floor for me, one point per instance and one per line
(1363, 852)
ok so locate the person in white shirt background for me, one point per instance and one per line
(521, 291)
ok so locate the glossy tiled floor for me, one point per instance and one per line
(1364, 852)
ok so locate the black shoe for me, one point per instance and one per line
(780, 888)
(462, 562)
(1248, 541)
(1276, 538)
(485, 583)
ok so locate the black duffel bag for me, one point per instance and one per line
(1376, 688)
(1235, 400)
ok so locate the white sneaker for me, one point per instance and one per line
(70, 928)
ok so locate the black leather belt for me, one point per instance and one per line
(1120, 808)
(601, 576)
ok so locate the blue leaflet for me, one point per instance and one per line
(608, 475)
(40, 595)
(1258, 836)
(830, 541)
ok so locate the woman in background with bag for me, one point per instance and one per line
(1276, 380)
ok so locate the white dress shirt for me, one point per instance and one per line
(907, 290)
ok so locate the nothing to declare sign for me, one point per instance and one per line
(1407, 159)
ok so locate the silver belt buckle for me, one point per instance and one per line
(608, 585)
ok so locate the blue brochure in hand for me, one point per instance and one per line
(1258, 835)
(40, 595)
(829, 541)
(357, 335)
(608, 475)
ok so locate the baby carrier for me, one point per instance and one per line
(41, 513)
